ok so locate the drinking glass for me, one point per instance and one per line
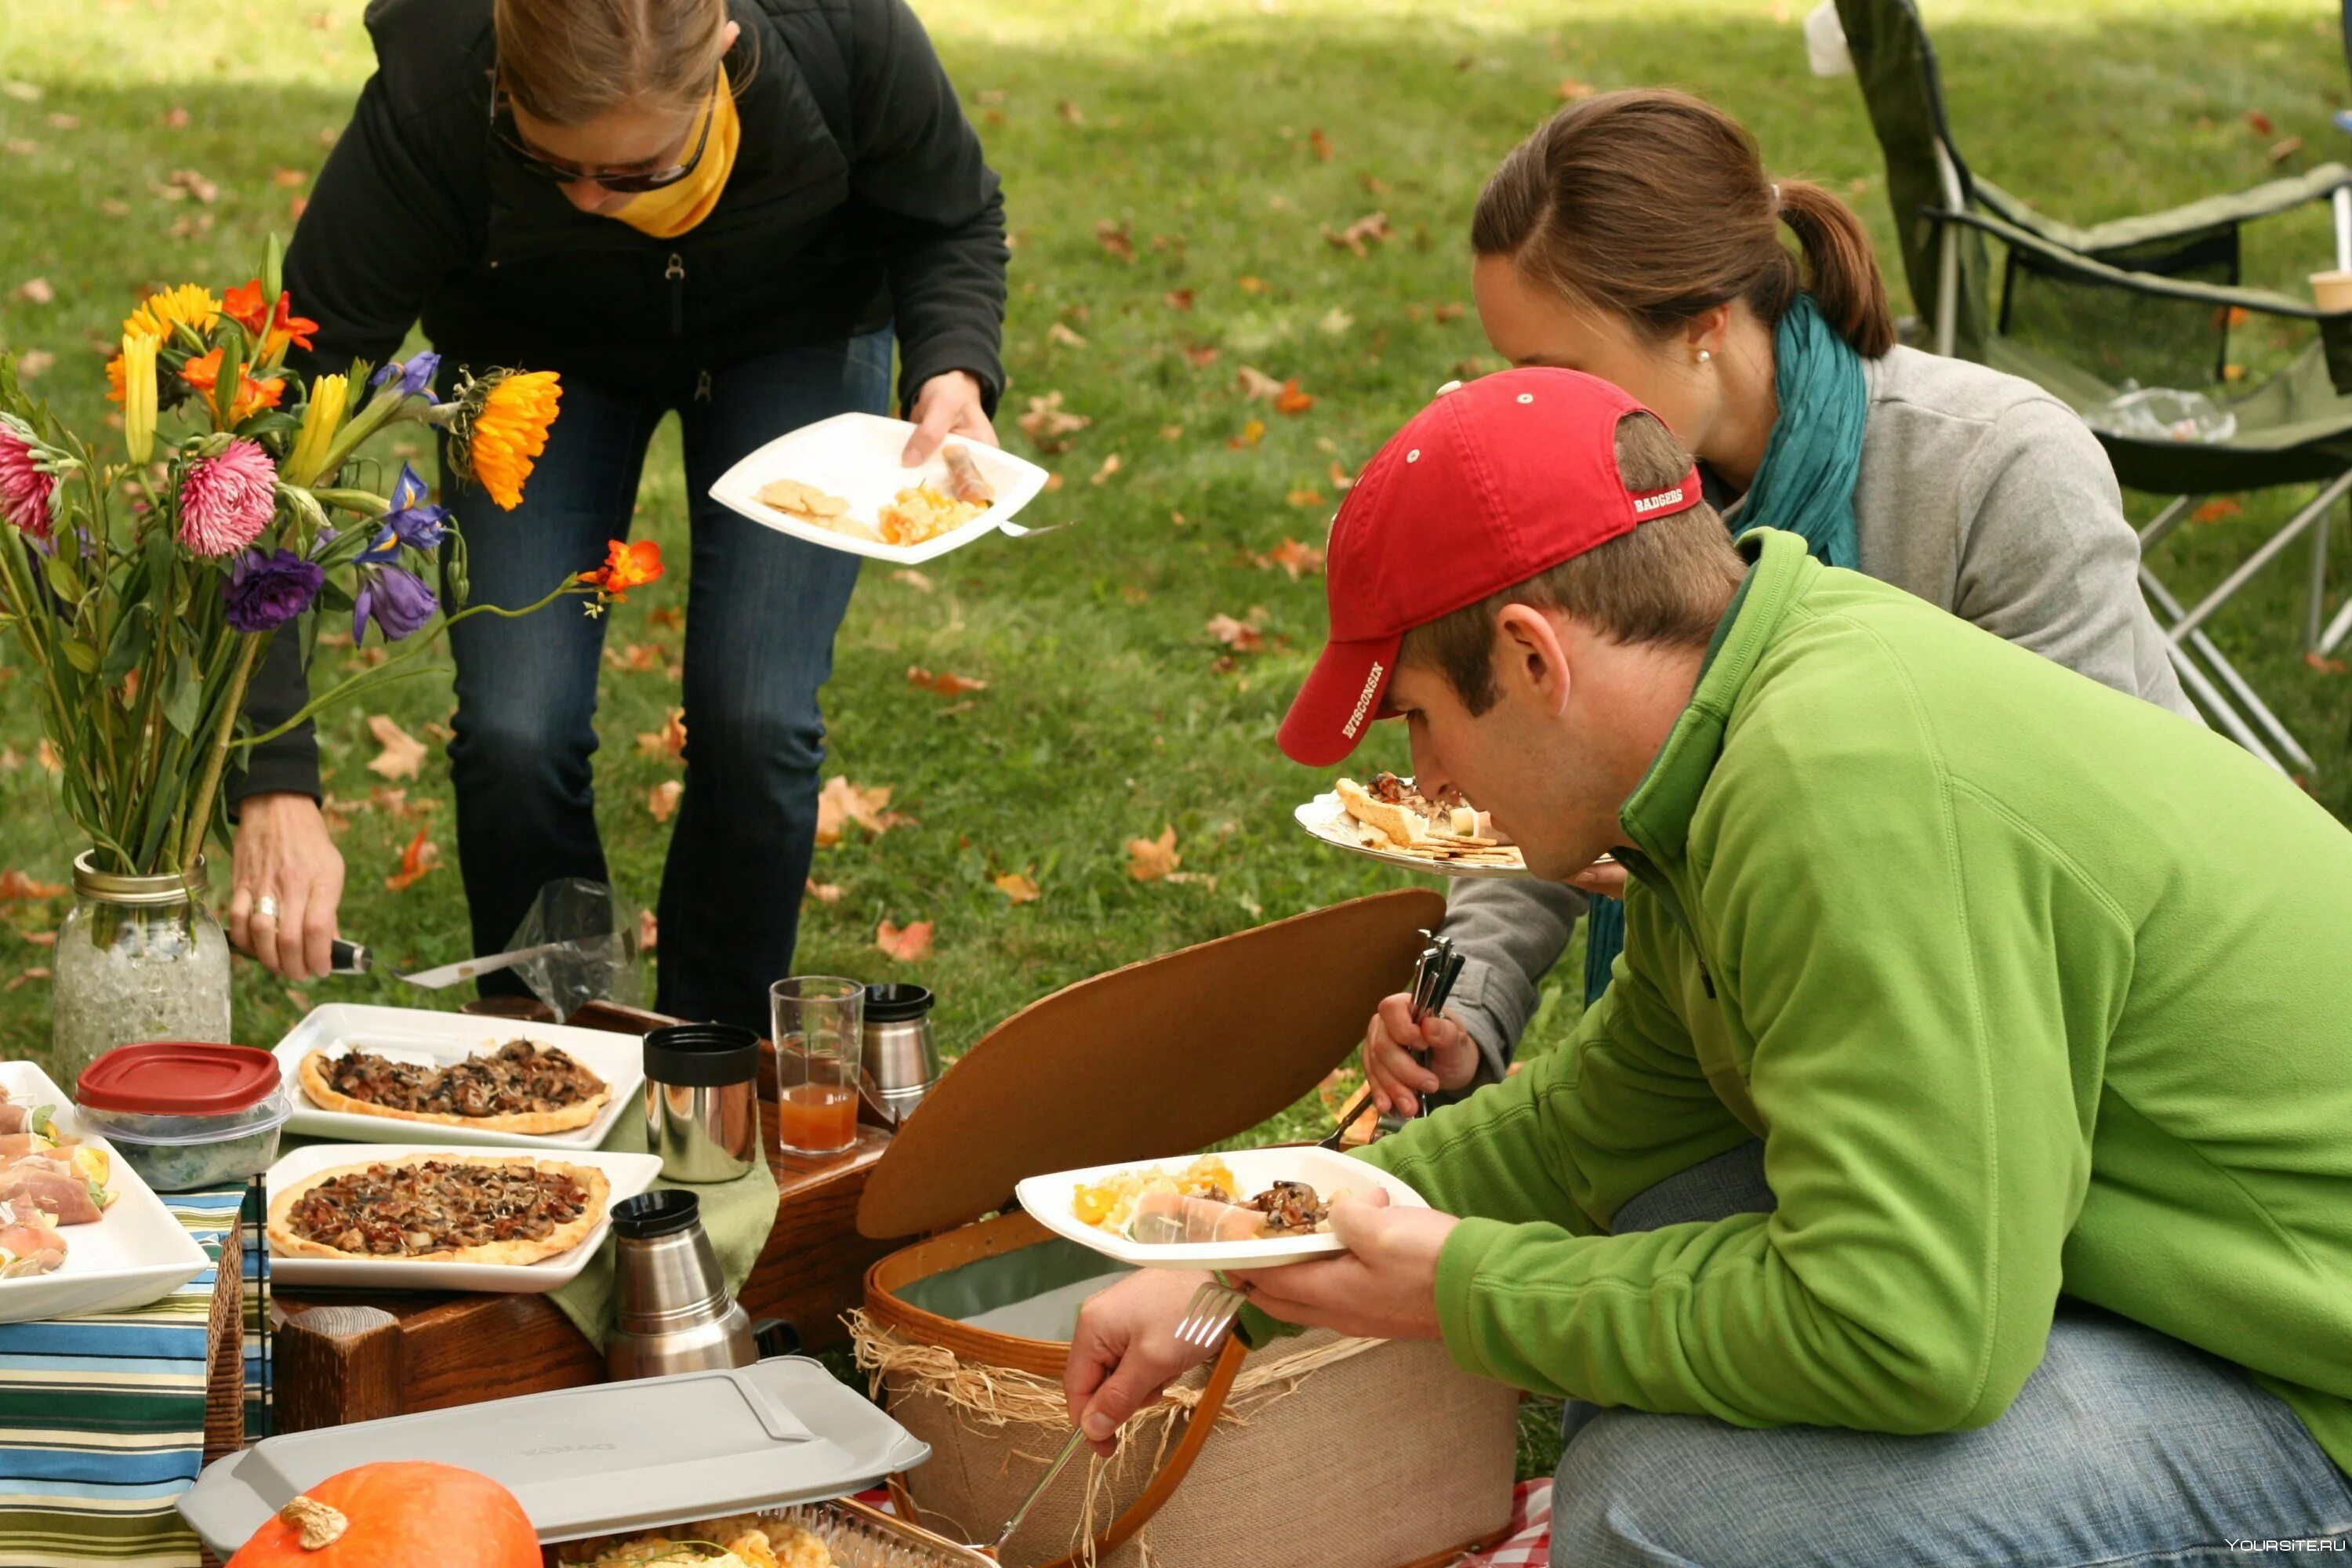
(819, 1033)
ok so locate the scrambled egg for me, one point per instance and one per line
(1111, 1204)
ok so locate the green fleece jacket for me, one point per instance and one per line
(2029, 986)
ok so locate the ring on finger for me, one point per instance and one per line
(264, 907)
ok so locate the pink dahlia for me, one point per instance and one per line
(23, 488)
(226, 502)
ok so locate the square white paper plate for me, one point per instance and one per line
(628, 1174)
(1326, 819)
(135, 1253)
(1048, 1200)
(855, 457)
(421, 1035)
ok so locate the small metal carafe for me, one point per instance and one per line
(702, 1100)
(675, 1312)
(899, 1052)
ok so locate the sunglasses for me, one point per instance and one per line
(628, 182)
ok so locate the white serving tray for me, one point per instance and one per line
(134, 1254)
(1327, 820)
(855, 457)
(628, 1174)
(418, 1033)
(1047, 1199)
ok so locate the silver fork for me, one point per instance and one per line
(1210, 1314)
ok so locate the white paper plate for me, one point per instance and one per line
(1048, 1199)
(1327, 820)
(417, 1033)
(855, 457)
(629, 1174)
(135, 1253)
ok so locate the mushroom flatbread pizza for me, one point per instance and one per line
(1389, 814)
(446, 1208)
(522, 1086)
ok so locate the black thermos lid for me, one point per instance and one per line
(649, 1215)
(896, 1002)
(702, 1056)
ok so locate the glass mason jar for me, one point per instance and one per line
(140, 958)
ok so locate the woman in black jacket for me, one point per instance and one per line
(725, 208)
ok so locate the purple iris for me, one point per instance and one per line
(410, 521)
(416, 374)
(395, 598)
(264, 592)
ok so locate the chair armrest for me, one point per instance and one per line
(2261, 302)
(2265, 200)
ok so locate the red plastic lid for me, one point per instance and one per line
(173, 1077)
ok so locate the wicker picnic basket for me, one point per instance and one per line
(1316, 1450)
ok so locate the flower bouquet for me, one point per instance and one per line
(143, 592)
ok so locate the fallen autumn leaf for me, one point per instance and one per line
(908, 944)
(1018, 887)
(402, 754)
(943, 684)
(421, 856)
(15, 884)
(1150, 860)
(662, 799)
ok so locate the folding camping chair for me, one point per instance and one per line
(2089, 312)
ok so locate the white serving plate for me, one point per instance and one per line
(855, 457)
(1327, 820)
(628, 1174)
(135, 1253)
(1048, 1199)
(421, 1035)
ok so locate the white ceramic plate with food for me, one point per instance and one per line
(134, 1253)
(1328, 819)
(628, 1174)
(1050, 1200)
(427, 1037)
(855, 457)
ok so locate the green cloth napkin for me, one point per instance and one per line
(737, 1214)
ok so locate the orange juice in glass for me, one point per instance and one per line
(819, 1022)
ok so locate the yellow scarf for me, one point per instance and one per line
(672, 210)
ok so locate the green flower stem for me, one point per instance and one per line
(200, 818)
(390, 670)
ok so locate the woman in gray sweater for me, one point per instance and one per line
(1636, 237)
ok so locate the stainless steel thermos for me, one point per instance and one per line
(899, 1052)
(702, 1100)
(674, 1312)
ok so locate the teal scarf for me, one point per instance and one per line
(1806, 482)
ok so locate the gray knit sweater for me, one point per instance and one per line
(1980, 493)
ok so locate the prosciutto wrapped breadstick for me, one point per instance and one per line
(964, 480)
(51, 1186)
(1162, 1218)
(27, 1243)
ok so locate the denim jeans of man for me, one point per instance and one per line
(2126, 1448)
(760, 611)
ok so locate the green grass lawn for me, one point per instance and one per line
(1190, 129)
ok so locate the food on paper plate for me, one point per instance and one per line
(965, 482)
(522, 1086)
(803, 500)
(1198, 1204)
(742, 1542)
(919, 513)
(1390, 813)
(449, 1209)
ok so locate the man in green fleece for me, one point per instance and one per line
(1959, 1168)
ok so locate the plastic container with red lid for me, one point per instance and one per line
(185, 1114)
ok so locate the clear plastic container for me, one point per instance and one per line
(188, 1115)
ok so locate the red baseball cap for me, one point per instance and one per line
(1496, 481)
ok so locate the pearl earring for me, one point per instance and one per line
(1704, 356)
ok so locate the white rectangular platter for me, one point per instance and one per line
(855, 457)
(133, 1254)
(421, 1035)
(629, 1174)
(1048, 1200)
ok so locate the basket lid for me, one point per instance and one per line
(605, 1459)
(1154, 1060)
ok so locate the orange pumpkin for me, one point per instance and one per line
(397, 1515)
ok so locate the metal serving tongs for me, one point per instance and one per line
(1433, 982)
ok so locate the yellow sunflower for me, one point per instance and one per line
(158, 313)
(500, 429)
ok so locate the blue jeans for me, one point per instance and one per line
(760, 611)
(2126, 1448)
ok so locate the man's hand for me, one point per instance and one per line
(283, 854)
(1603, 876)
(1126, 1350)
(1395, 1077)
(1384, 1287)
(948, 404)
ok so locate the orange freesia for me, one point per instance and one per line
(508, 432)
(626, 566)
(203, 372)
(243, 305)
(272, 329)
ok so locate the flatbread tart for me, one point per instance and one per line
(1390, 813)
(443, 1208)
(522, 1086)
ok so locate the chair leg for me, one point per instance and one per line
(2315, 512)
(2337, 630)
(2176, 512)
(2205, 648)
(2316, 609)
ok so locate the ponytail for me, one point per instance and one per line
(1654, 205)
(1842, 269)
